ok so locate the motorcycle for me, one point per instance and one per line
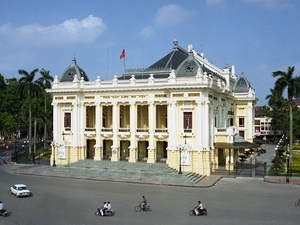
(203, 212)
(3, 212)
(107, 213)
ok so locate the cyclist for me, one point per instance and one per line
(144, 203)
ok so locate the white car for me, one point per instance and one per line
(20, 190)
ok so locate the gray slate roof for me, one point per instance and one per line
(70, 71)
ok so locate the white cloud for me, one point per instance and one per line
(270, 4)
(168, 16)
(147, 31)
(70, 31)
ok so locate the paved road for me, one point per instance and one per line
(64, 201)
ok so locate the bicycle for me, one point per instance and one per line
(138, 208)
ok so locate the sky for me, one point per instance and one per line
(258, 37)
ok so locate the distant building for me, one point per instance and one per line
(182, 110)
(263, 129)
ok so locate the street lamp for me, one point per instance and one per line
(180, 148)
(15, 151)
(288, 167)
(53, 152)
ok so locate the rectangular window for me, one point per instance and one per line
(262, 125)
(67, 121)
(241, 121)
(188, 121)
(230, 121)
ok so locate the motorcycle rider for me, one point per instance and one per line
(1, 206)
(144, 203)
(103, 208)
(198, 208)
(108, 207)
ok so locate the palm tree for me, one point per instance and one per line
(29, 88)
(274, 98)
(45, 82)
(292, 84)
(278, 111)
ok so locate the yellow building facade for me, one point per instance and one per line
(175, 112)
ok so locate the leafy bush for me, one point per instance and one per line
(295, 168)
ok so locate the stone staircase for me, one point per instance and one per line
(194, 177)
(137, 171)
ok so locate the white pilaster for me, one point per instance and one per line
(132, 147)
(172, 125)
(74, 124)
(98, 155)
(199, 126)
(250, 124)
(115, 147)
(151, 147)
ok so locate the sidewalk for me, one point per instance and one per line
(137, 173)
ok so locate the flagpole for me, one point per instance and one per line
(123, 56)
(124, 64)
(107, 63)
(124, 67)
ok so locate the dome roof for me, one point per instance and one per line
(71, 71)
(242, 85)
(183, 61)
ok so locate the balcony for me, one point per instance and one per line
(106, 132)
(124, 133)
(90, 132)
(142, 133)
(223, 134)
(161, 133)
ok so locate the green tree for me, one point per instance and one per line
(286, 81)
(278, 112)
(30, 88)
(9, 107)
(45, 82)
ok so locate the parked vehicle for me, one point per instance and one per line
(138, 208)
(203, 212)
(107, 213)
(20, 190)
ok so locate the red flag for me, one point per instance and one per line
(122, 55)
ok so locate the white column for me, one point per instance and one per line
(250, 121)
(133, 119)
(151, 125)
(98, 124)
(151, 147)
(81, 124)
(80, 132)
(56, 121)
(115, 147)
(98, 155)
(199, 123)
(206, 123)
(172, 125)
